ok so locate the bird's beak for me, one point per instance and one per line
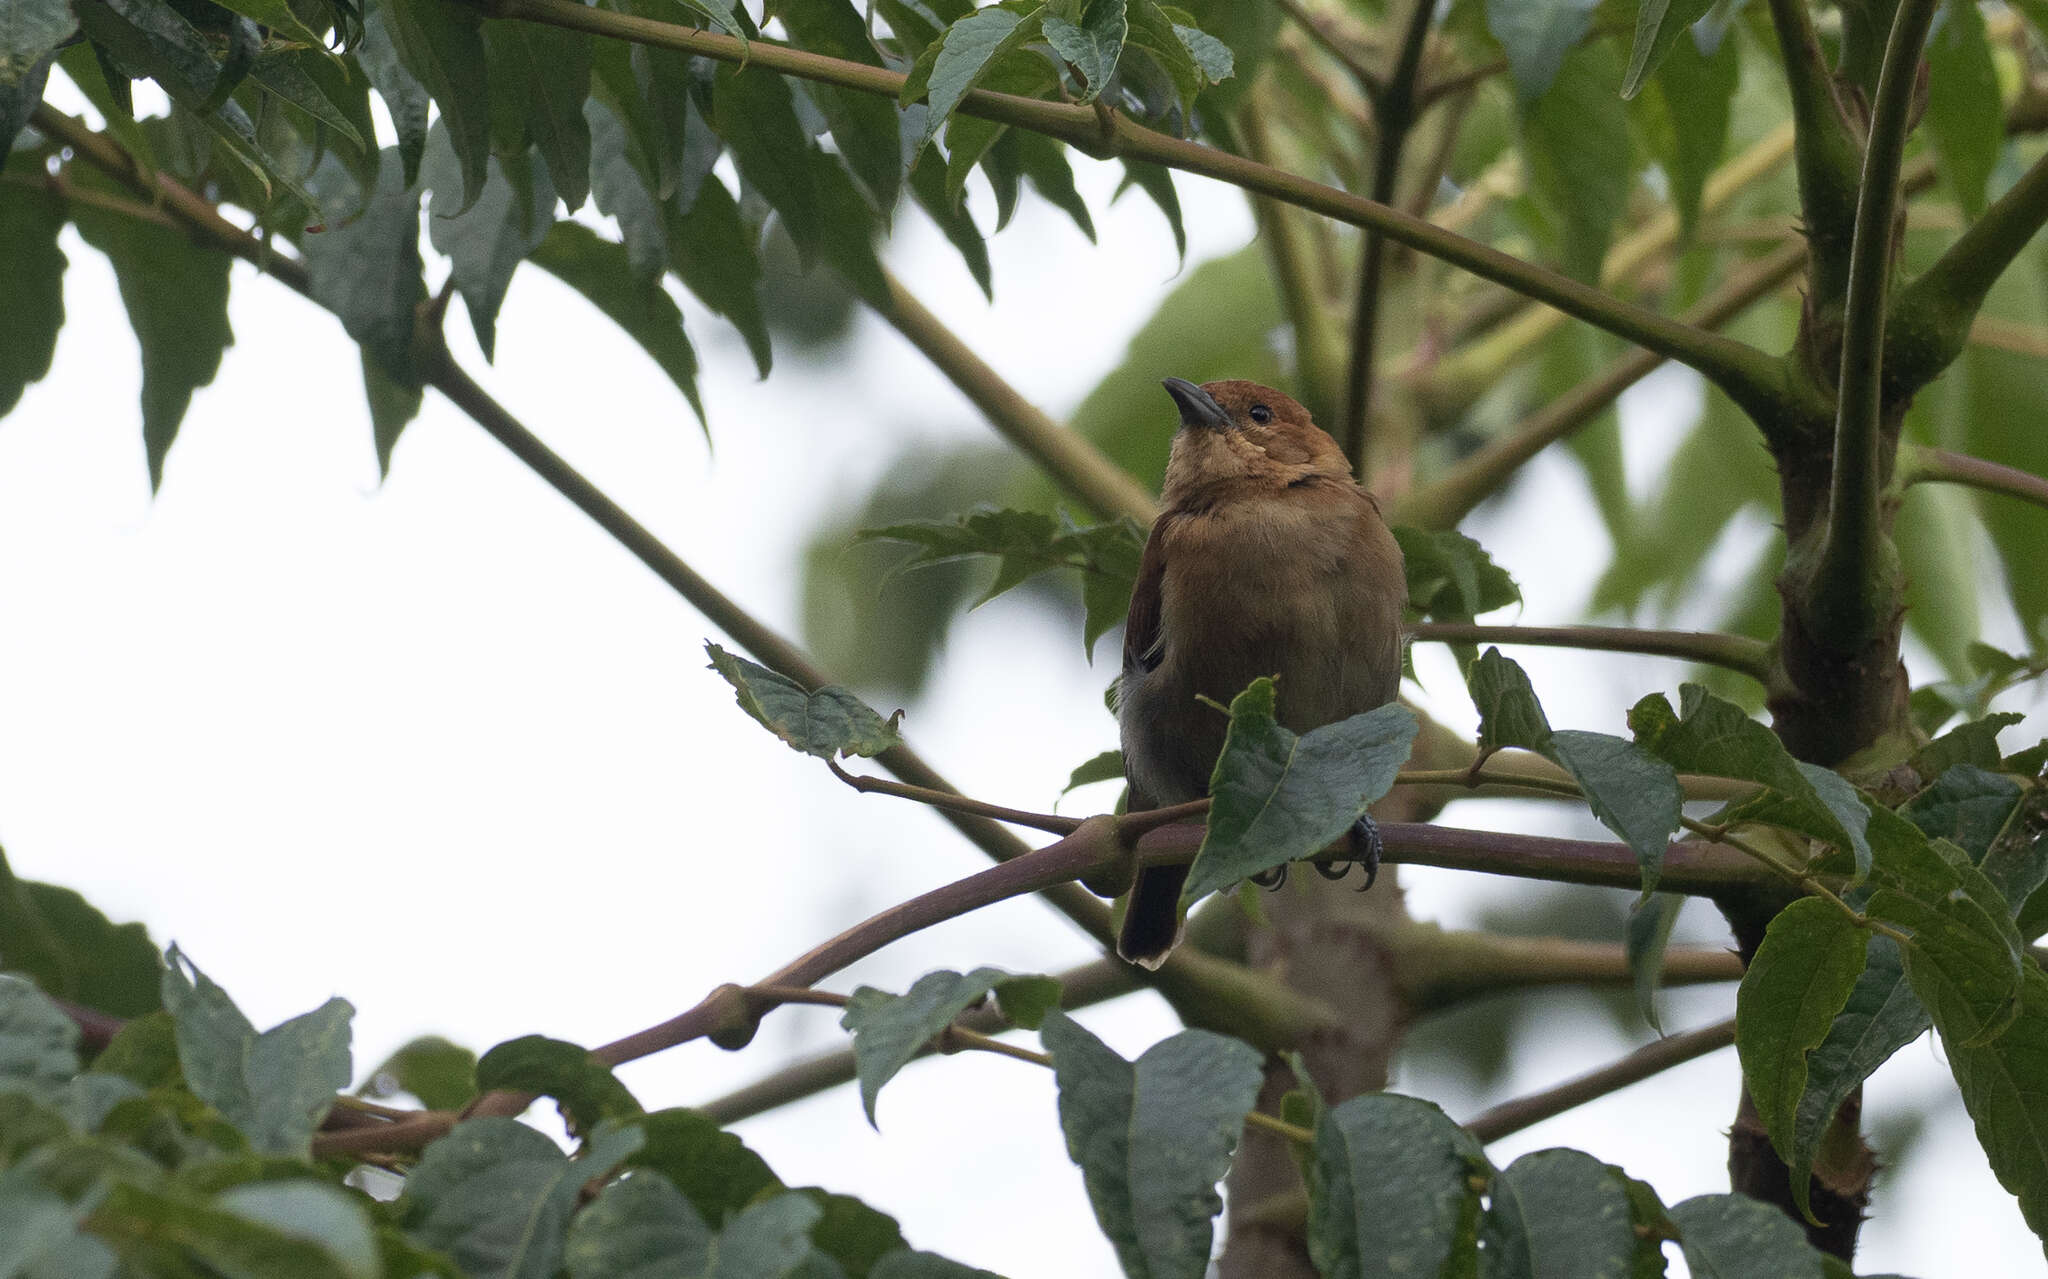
(1197, 407)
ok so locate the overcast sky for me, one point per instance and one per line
(439, 746)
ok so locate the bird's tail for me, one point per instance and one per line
(1152, 921)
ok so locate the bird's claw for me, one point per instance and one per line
(1270, 879)
(1365, 842)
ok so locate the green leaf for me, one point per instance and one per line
(367, 268)
(545, 72)
(72, 951)
(1697, 91)
(274, 1087)
(2005, 1088)
(622, 184)
(1712, 736)
(1392, 1189)
(1963, 111)
(176, 292)
(1093, 45)
(404, 96)
(1509, 714)
(1536, 35)
(324, 1216)
(1581, 160)
(711, 1167)
(182, 1229)
(955, 222)
(1736, 1237)
(850, 1232)
(38, 1043)
(1043, 163)
(286, 75)
(1278, 797)
(924, 1265)
(1153, 1137)
(889, 1031)
(489, 233)
(496, 1196)
(30, 30)
(1798, 982)
(1659, 23)
(1156, 182)
(1451, 578)
(1973, 743)
(1106, 767)
(823, 723)
(638, 1226)
(1578, 1215)
(393, 406)
(584, 1086)
(144, 1052)
(1647, 933)
(603, 273)
(942, 79)
(440, 43)
(440, 1073)
(19, 99)
(863, 125)
(712, 252)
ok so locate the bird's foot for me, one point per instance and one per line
(1365, 842)
(1271, 879)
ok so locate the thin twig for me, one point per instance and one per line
(1739, 653)
(1652, 1058)
(947, 801)
(1920, 465)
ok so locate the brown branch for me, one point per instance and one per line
(1738, 653)
(1918, 465)
(1652, 1058)
(1439, 968)
(947, 801)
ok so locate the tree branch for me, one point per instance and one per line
(1445, 501)
(1920, 465)
(1652, 1058)
(1073, 462)
(1856, 573)
(1753, 378)
(1439, 968)
(1318, 348)
(1827, 152)
(1051, 823)
(1394, 108)
(1737, 653)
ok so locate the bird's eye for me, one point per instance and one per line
(1261, 414)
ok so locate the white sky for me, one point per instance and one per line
(441, 747)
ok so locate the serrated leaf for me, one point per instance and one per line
(285, 75)
(711, 1167)
(1535, 35)
(2005, 1088)
(1659, 23)
(1044, 164)
(952, 68)
(864, 126)
(496, 1195)
(1577, 1215)
(1712, 736)
(366, 269)
(176, 294)
(603, 272)
(274, 1086)
(1157, 184)
(440, 1073)
(1974, 743)
(1391, 1189)
(404, 96)
(1736, 1237)
(1798, 982)
(712, 253)
(38, 1043)
(622, 185)
(1451, 577)
(72, 951)
(584, 1086)
(1964, 116)
(1509, 714)
(488, 233)
(954, 220)
(1093, 45)
(826, 722)
(545, 71)
(1278, 797)
(889, 1031)
(1153, 1137)
(1106, 767)
(440, 43)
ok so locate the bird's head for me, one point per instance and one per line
(1238, 430)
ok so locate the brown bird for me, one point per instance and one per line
(1268, 559)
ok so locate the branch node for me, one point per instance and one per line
(735, 1017)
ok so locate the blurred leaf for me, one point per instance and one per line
(1659, 23)
(1451, 577)
(440, 43)
(545, 73)
(30, 30)
(1648, 933)
(1044, 163)
(1936, 530)
(393, 406)
(890, 1030)
(72, 951)
(328, 1217)
(826, 722)
(1580, 1218)
(492, 230)
(1964, 115)
(1975, 743)
(1278, 797)
(367, 268)
(440, 1073)
(711, 1167)
(850, 1232)
(1106, 767)
(712, 252)
(1798, 982)
(1157, 182)
(955, 222)
(1696, 91)
(19, 98)
(287, 76)
(144, 1052)
(622, 184)
(638, 1226)
(864, 126)
(179, 1230)
(1153, 1137)
(176, 292)
(1980, 407)
(924, 1265)
(274, 1086)
(1391, 1189)
(1092, 45)
(496, 1195)
(1536, 35)
(2003, 1083)
(38, 1043)
(1736, 1237)
(1581, 162)
(584, 1086)
(404, 96)
(603, 273)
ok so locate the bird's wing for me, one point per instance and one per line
(1143, 641)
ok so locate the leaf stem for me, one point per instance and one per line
(1073, 461)
(1739, 653)
(950, 802)
(1808, 883)
(1656, 1056)
(1750, 376)
(1922, 465)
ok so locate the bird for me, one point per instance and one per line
(1266, 559)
